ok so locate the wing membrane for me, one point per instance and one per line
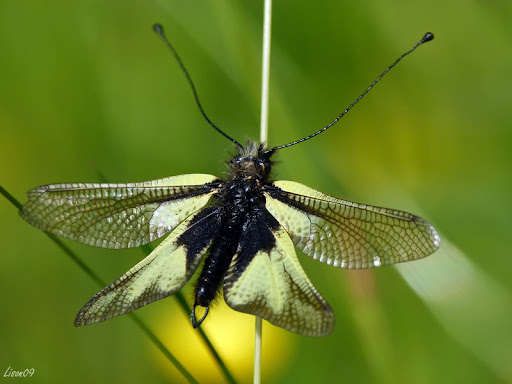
(162, 273)
(271, 284)
(117, 215)
(347, 234)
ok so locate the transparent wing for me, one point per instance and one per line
(347, 234)
(162, 273)
(116, 215)
(271, 284)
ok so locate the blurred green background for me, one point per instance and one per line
(86, 86)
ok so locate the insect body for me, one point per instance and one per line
(249, 225)
(245, 227)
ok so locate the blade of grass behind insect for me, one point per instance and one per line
(89, 272)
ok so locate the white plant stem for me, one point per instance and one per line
(267, 21)
(265, 73)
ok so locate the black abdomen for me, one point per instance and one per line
(217, 263)
(238, 201)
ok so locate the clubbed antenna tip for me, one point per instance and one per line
(158, 29)
(428, 36)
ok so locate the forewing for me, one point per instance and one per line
(265, 279)
(347, 234)
(162, 273)
(117, 215)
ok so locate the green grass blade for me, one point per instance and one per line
(89, 272)
(227, 374)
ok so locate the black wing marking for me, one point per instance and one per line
(265, 279)
(160, 274)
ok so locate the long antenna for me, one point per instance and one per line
(160, 31)
(428, 36)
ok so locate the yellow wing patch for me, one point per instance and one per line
(275, 288)
(116, 215)
(347, 234)
(162, 273)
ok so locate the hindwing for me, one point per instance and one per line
(347, 234)
(162, 273)
(265, 279)
(117, 215)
